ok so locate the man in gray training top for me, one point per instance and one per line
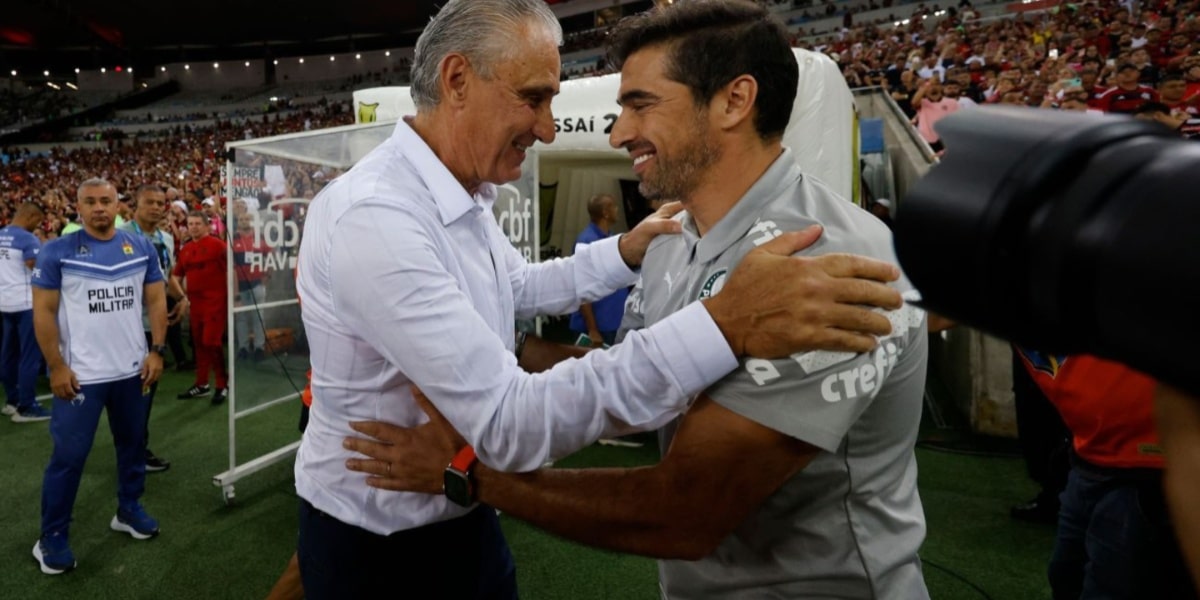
(791, 478)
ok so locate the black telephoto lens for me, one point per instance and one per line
(1063, 232)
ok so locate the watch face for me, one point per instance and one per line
(457, 487)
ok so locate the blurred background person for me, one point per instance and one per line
(20, 358)
(599, 320)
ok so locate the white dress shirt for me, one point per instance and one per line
(405, 278)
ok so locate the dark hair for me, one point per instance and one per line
(712, 42)
(1171, 76)
(199, 214)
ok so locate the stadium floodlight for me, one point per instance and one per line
(216, 65)
(72, 86)
(331, 58)
(103, 70)
(76, 70)
(247, 63)
(187, 67)
(164, 69)
(301, 61)
(276, 61)
(357, 57)
(45, 73)
(387, 53)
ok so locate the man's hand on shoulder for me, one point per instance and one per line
(633, 245)
(776, 304)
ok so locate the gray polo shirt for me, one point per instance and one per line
(849, 524)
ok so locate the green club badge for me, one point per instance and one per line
(713, 284)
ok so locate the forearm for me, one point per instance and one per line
(637, 511)
(46, 331)
(540, 355)
(1179, 428)
(158, 323)
(589, 318)
(174, 289)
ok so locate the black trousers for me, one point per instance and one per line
(461, 559)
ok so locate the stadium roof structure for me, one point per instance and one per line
(68, 34)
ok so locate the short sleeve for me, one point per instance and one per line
(30, 247)
(47, 271)
(633, 318)
(817, 396)
(154, 272)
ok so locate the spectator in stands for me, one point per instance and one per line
(1148, 74)
(150, 204)
(932, 107)
(903, 94)
(202, 265)
(216, 217)
(1128, 94)
(1180, 122)
(97, 280)
(953, 91)
(1191, 74)
(1172, 91)
(20, 359)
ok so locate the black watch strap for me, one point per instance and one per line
(160, 349)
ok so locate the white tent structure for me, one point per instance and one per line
(823, 135)
(271, 180)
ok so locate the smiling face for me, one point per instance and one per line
(668, 136)
(510, 110)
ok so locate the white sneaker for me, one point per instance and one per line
(8, 410)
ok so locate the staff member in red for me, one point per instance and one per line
(1114, 535)
(251, 288)
(202, 266)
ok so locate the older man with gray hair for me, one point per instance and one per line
(407, 279)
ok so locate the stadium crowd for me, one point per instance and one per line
(187, 160)
(1093, 56)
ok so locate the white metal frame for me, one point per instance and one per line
(236, 472)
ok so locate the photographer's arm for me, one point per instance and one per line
(1179, 430)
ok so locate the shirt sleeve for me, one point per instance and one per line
(392, 290)
(47, 271)
(30, 248)
(559, 286)
(180, 269)
(154, 272)
(633, 318)
(817, 396)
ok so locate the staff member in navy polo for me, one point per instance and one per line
(20, 358)
(89, 289)
(600, 319)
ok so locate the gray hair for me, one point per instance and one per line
(481, 30)
(94, 182)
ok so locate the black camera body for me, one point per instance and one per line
(1063, 232)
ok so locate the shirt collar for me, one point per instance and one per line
(744, 214)
(451, 197)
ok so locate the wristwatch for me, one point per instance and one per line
(457, 481)
(160, 350)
